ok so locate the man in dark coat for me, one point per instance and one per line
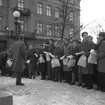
(66, 71)
(50, 49)
(19, 55)
(31, 55)
(101, 61)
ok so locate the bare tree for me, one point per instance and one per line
(95, 30)
(67, 11)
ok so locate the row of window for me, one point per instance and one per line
(20, 3)
(49, 11)
(48, 29)
(40, 9)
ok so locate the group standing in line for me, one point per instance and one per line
(51, 61)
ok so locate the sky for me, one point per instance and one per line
(93, 10)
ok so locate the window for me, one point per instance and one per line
(71, 1)
(56, 12)
(1, 2)
(49, 30)
(21, 22)
(71, 31)
(48, 10)
(39, 8)
(21, 4)
(1, 22)
(39, 28)
(57, 31)
(71, 16)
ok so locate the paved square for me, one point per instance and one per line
(43, 92)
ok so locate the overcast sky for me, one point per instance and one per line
(92, 10)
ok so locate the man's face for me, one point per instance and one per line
(50, 42)
(66, 41)
(30, 47)
(90, 39)
(75, 44)
(85, 35)
(99, 39)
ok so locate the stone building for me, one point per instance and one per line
(38, 20)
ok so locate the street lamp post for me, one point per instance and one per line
(16, 15)
(7, 31)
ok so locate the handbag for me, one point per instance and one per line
(92, 59)
(9, 63)
(82, 61)
(65, 61)
(71, 63)
(55, 62)
(41, 59)
(47, 57)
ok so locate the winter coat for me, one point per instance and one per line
(33, 60)
(58, 52)
(101, 57)
(1, 60)
(50, 48)
(86, 47)
(19, 56)
(67, 49)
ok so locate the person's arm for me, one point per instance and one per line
(101, 53)
(23, 51)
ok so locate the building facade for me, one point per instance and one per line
(39, 19)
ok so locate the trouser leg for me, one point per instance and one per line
(18, 77)
(59, 74)
(73, 77)
(49, 69)
(79, 75)
(34, 74)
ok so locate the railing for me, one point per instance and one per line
(23, 11)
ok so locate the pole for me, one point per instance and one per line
(16, 28)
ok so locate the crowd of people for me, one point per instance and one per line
(77, 63)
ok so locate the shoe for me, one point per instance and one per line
(60, 80)
(102, 90)
(89, 87)
(20, 84)
(72, 83)
(33, 77)
(55, 80)
(84, 85)
(98, 88)
(79, 84)
(42, 78)
(30, 77)
(48, 79)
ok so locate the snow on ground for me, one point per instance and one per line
(43, 92)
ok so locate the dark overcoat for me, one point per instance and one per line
(33, 60)
(19, 55)
(86, 47)
(101, 57)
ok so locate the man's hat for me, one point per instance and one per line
(21, 36)
(102, 34)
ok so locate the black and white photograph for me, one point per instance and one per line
(52, 52)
